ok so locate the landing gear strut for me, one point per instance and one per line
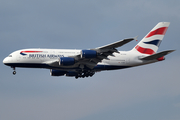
(14, 72)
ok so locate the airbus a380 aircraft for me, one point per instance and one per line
(84, 63)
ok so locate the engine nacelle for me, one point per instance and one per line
(57, 72)
(66, 61)
(88, 54)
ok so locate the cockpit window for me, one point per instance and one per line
(10, 56)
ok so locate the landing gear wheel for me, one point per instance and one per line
(14, 72)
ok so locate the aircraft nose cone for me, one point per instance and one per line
(5, 61)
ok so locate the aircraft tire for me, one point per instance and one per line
(14, 72)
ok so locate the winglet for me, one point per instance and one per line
(135, 38)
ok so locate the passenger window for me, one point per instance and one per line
(10, 55)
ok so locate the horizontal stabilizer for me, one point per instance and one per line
(157, 55)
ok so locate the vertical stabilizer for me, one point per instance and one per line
(150, 43)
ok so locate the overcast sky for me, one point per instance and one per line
(150, 92)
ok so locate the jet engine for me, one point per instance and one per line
(57, 72)
(66, 61)
(88, 54)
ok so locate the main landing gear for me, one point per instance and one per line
(14, 72)
(85, 74)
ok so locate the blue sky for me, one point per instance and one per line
(145, 92)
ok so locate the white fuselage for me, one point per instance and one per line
(41, 57)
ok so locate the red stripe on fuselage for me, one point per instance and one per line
(30, 51)
(159, 31)
(144, 50)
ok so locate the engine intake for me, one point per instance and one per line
(88, 54)
(66, 61)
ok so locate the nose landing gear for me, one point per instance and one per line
(14, 72)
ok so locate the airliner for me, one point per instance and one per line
(86, 62)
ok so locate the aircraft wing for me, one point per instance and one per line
(101, 53)
(116, 44)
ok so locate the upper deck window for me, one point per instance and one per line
(10, 56)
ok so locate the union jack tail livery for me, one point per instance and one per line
(150, 43)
